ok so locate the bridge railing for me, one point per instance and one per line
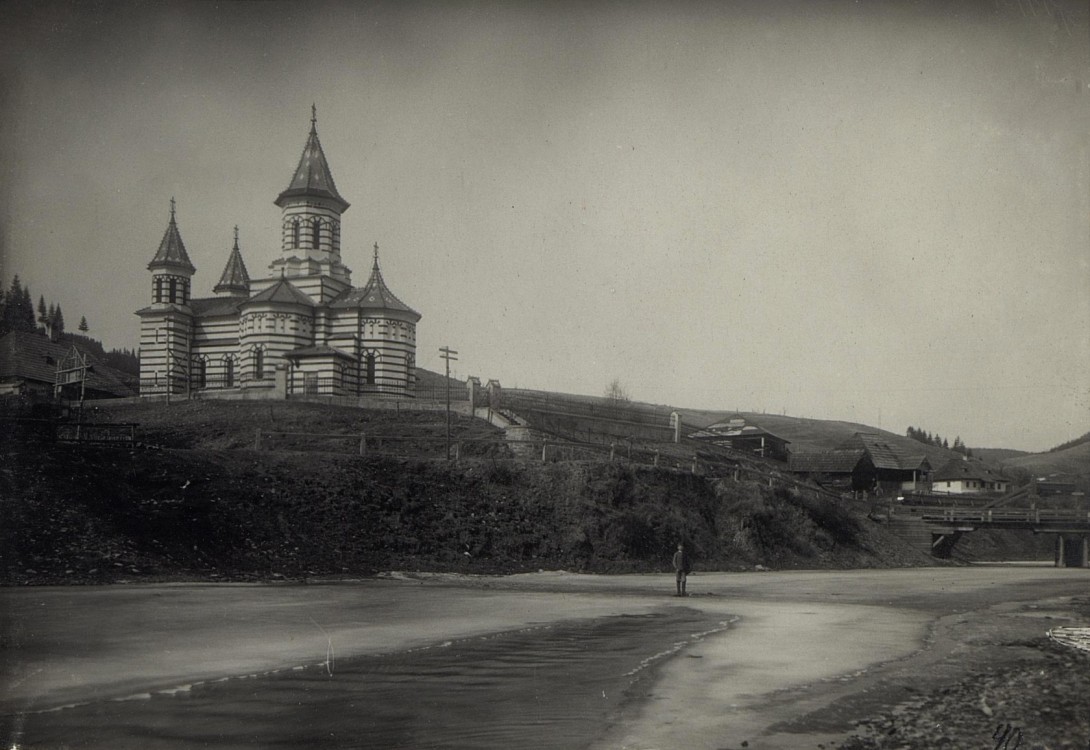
(992, 515)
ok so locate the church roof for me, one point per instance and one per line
(312, 177)
(317, 351)
(172, 250)
(374, 295)
(234, 277)
(282, 291)
(207, 307)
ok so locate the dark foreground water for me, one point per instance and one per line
(557, 686)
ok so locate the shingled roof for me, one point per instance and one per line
(883, 454)
(374, 295)
(282, 291)
(34, 357)
(209, 307)
(234, 277)
(320, 350)
(827, 462)
(171, 253)
(957, 468)
(312, 177)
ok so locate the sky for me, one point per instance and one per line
(868, 211)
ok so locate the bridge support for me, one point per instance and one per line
(942, 543)
(1072, 551)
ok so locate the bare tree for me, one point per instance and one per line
(616, 391)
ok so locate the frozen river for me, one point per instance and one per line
(549, 660)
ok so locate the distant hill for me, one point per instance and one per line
(814, 435)
(997, 455)
(1074, 460)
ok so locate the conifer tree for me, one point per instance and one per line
(19, 310)
(83, 327)
(58, 323)
(42, 312)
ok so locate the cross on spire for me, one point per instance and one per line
(172, 208)
(313, 115)
(236, 235)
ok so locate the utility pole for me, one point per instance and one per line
(448, 355)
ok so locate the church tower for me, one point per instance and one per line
(166, 326)
(234, 281)
(310, 226)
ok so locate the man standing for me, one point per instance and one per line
(683, 566)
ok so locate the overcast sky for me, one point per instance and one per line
(869, 211)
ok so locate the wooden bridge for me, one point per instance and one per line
(947, 524)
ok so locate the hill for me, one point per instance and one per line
(997, 455)
(1074, 460)
(203, 506)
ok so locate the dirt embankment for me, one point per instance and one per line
(104, 514)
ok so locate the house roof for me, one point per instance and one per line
(171, 253)
(32, 356)
(234, 277)
(882, 453)
(374, 295)
(957, 468)
(282, 291)
(841, 461)
(735, 427)
(312, 177)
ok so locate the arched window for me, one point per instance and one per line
(228, 372)
(173, 290)
(295, 234)
(316, 232)
(369, 368)
(259, 363)
(201, 374)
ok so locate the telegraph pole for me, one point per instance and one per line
(448, 355)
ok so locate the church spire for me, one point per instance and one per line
(234, 280)
(171, 254)
(312, 178)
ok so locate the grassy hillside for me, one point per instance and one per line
(997, 456)
(216, 425)
(1074, 460)
(212, 508)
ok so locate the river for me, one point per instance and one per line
(551, 660)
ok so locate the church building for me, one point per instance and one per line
(302, 329)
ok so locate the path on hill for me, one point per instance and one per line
(803, 654)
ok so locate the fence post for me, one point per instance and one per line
(612, 451)
(257, 439)
(544, 444)
(694, 464)
(457, 451)
(656, 458)
(363, 443)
